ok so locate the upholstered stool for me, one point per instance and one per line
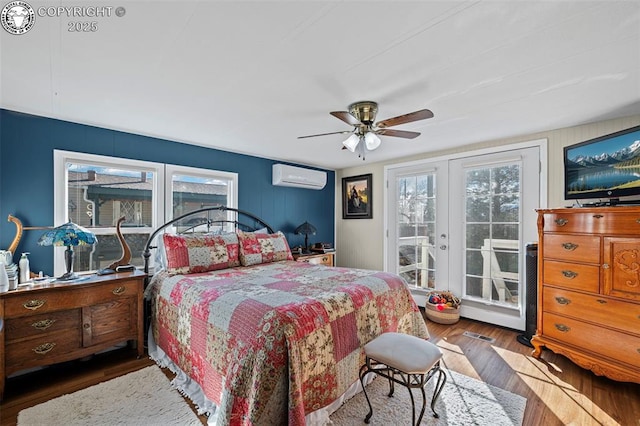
(412, 359)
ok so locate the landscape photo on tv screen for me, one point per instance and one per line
(609, 164)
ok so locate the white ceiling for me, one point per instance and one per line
(250, 77)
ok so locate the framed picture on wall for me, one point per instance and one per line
(356, 197)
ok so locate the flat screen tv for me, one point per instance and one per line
(605, 167)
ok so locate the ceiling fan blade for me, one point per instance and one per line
(325, 134)
(398, 133)
(423, 114)
(346, 117)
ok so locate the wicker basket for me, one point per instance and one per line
(445, 316)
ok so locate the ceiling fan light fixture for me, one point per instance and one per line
(371, 140)
(352, 142)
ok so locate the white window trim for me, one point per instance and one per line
(171, 170)
(162, 200)
(61, 158)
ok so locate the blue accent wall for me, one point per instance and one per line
(27, 143)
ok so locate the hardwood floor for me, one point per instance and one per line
(558, 392)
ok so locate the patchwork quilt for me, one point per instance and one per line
(273, 342)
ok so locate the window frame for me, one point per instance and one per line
(162, 196)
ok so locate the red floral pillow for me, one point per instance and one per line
(187, 254)
(258, 248)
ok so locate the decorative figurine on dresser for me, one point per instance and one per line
(589, 288)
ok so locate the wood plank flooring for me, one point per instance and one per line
(558, 392)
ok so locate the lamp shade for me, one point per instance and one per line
(352, 142)
(306, 229)
(68, 234)
(372, 141)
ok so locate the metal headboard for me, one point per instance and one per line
(230, 219)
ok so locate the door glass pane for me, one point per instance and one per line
(492, 236)
(97, 197)
(416, 229)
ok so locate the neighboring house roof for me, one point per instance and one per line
(97, 180)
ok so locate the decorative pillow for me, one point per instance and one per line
(187, 254)
(258, 248)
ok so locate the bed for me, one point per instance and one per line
(254, 337)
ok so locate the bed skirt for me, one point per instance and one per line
(192, 390)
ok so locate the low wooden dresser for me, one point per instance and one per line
(45, 324)
(589, 288)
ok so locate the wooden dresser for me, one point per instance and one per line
(589, 288)
(50, 323)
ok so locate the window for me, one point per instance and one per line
(191, 189)
(95, 191)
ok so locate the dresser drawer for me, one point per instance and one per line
(598, 221)
(38, 325)
(624, 316)
(34, 303)
(44, 350)
(587, 222)
(593, 338)
(316, 259)
(319, 260)
(572, 275)
(571, 247)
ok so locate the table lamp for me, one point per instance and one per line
(68, 235)
(306, 229)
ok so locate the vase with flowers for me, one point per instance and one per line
(443, 307)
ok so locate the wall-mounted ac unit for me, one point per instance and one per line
(284, 175)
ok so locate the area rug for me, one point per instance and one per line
(463, 401)
(146, 397)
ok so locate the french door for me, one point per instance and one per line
(461, 225)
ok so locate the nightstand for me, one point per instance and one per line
(45, 324)
(316, 258)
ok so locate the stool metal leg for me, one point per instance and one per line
(442, 379)
(364, 370)
(413, 405)
(424, 403)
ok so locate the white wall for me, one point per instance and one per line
(359, 242)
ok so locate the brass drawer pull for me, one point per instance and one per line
(601, 301)
(118, 290)
(44, 348)
(563, 300)
(34, 304)
(598, 216)
(569, 246)
(561, 221)
(605, 266)
(637, 220)
(43, 325)
(563, 328)
(569, 274)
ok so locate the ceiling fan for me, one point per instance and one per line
(361, 116)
